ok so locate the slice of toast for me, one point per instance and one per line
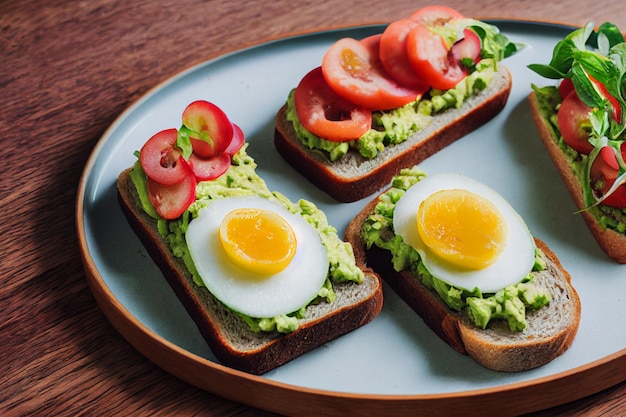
(610, 241)
(231, 340)
(550, 330)
(353, 177)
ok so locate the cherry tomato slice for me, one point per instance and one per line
(615, 106)
(428, 54)
(566, 86)
(574, 124)
(603, 173)
(206, 169)
(435, 15)
(170, 201)
(212, 129)
(467, 48)
(161, 160)
(372, 42)
(324, 113)
(354, 71)
(236, 142)
(394, 57)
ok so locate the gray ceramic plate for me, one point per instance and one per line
(395, 359)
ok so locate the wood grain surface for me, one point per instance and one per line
(68, 68)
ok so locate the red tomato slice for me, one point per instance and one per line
(435, 15)
(354, 71)
(170, 201)
(467, 48)
(566, 86)
(574, 124)
(161, 160)
(603, 173)
(428, 55)
(236, 142)
(324, 113)
(212, 129)
(394, 57)
(206, 169)
(372, 42)
(615, 106)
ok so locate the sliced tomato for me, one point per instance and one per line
(170, 201)
(394, 57)
(602, 175)
(435, 15)
(354, 71)
(616, 108)
(236, 142)
(566, 86)
(428, 54)
(325, 113)
(206, 169)
(161, 160)
(372, 42)
(466, 50)
(211, 129)
(574, 124)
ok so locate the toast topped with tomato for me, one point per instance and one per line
(388, 101)
(580, 120)
(264, 279)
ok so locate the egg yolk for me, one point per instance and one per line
(257, 240)
(461, 227)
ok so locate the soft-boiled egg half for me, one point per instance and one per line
(466, 233)
(257, 257)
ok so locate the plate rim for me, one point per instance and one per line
(547, 390)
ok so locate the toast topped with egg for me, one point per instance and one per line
(382, 103)
(264, 279)
(464, 261)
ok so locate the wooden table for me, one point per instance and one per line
(68, 68)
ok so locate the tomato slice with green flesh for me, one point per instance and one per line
(354, 71)
(574, 124)
(435, 15)
(161, 160)
(170, 201)
(212, 130)
(206, 169)
(325, 113)
(602, 175)
(394, 57)
(432, 60)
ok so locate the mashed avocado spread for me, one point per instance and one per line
(509, 304)
(550, 100)
(241, 180)
(397, 125)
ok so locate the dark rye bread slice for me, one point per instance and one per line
(610, 241)
(232, 342)
(354, 177)
(549, 333)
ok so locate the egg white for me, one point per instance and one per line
(514, 263)
(244, 291)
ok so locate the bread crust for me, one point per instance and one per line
(495, 347)
(353, 177)
(610, 241)
(232, 342)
